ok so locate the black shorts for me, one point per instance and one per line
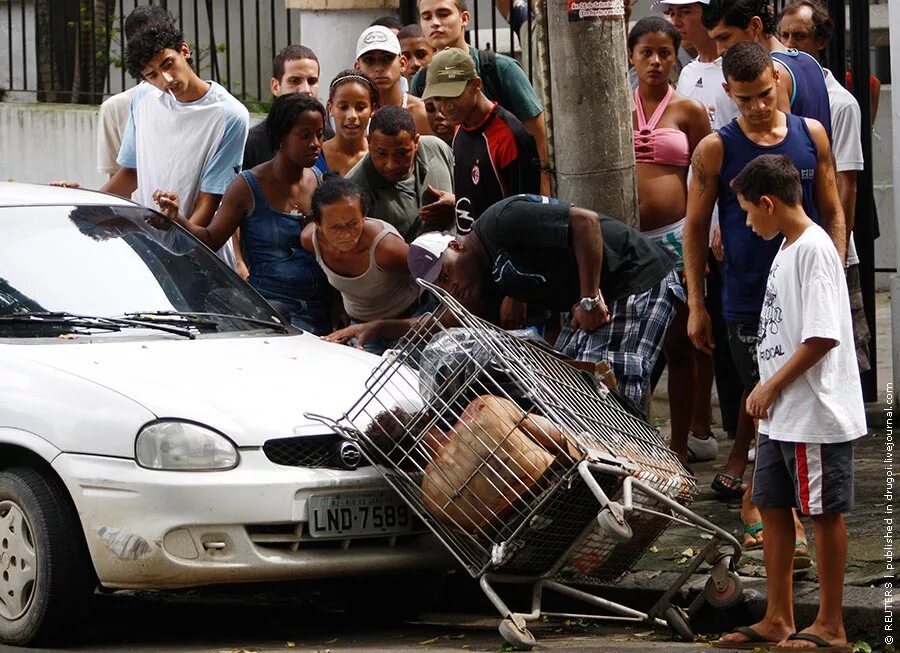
(742, 340)
(815, 479)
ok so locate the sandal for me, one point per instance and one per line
(801, 558)
(821, 645)
(728, 485)
(753, 531)
(754, 640)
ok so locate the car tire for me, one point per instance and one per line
(45, 576)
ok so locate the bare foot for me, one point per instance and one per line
(771, 631)
(833, 636)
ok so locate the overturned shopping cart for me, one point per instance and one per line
(529, 470)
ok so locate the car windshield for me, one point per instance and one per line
(124, 269)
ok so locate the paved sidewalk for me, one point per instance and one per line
(866, 568)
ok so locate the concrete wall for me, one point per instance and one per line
(47, 142)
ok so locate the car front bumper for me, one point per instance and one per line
(148, 529)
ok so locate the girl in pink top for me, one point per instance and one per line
(667, 128)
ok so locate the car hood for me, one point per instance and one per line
(250, 388)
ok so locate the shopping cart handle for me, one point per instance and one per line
(334, 425)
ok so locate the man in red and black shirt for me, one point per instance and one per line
(494, 156)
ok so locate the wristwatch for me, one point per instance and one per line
(590, 303)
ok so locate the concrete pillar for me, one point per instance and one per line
(894, 31)
(593, 146)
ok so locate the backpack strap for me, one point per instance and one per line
(490, 77)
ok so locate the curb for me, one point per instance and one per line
(863, 606)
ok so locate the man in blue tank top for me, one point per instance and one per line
(802, 90)
(751, 80)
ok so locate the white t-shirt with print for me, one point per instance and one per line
(703, 81)
(846, 137)
(806, 297)
(185, 147)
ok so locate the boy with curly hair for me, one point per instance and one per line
(185, 136)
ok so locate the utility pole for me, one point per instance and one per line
(591, 110)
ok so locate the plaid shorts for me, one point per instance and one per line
(632, 340)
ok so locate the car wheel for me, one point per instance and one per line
(44, 572)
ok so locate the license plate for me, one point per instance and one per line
(358, 514)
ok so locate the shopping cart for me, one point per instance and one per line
(529, 470)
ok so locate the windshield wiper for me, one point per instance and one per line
(205, 318)
(89, 321)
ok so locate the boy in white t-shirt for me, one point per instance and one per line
(809, 404)
(185, 136)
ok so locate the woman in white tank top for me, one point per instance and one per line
(363, 258)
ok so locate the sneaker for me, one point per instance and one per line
(700, 449)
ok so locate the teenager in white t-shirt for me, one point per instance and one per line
(808, 401)
(185, 136)
(702, 78)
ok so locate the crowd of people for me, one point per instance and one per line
(428, 161)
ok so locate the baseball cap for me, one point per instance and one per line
(662, 5)
(425, 253)
(448, 73)
(377, 37)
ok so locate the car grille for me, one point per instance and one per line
(295, 537)
(312, 451)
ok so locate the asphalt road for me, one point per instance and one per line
(263, 620)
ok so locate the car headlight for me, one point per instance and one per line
(183, 446)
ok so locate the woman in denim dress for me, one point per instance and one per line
(271, 204)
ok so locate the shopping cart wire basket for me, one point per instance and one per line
(528, 469)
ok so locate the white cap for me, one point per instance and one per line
(377, 37)
(425, 253)
(661, 5)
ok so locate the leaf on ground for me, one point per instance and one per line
(706, 536)
(688, 553)
(291, 644)
(681, 561)
(433, 640)
(647, 634)
(654, 574)
(861, 647)
(654, 549)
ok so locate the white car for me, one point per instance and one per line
(153, 428)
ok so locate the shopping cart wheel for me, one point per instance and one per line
(727, 597)
(678, 622)
(520, 638)
(614, 525)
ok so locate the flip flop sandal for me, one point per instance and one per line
(754, 640)
(753, 530)
(821, 645)
(728, 485)
(801, 559)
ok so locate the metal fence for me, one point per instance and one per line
(73, 50)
